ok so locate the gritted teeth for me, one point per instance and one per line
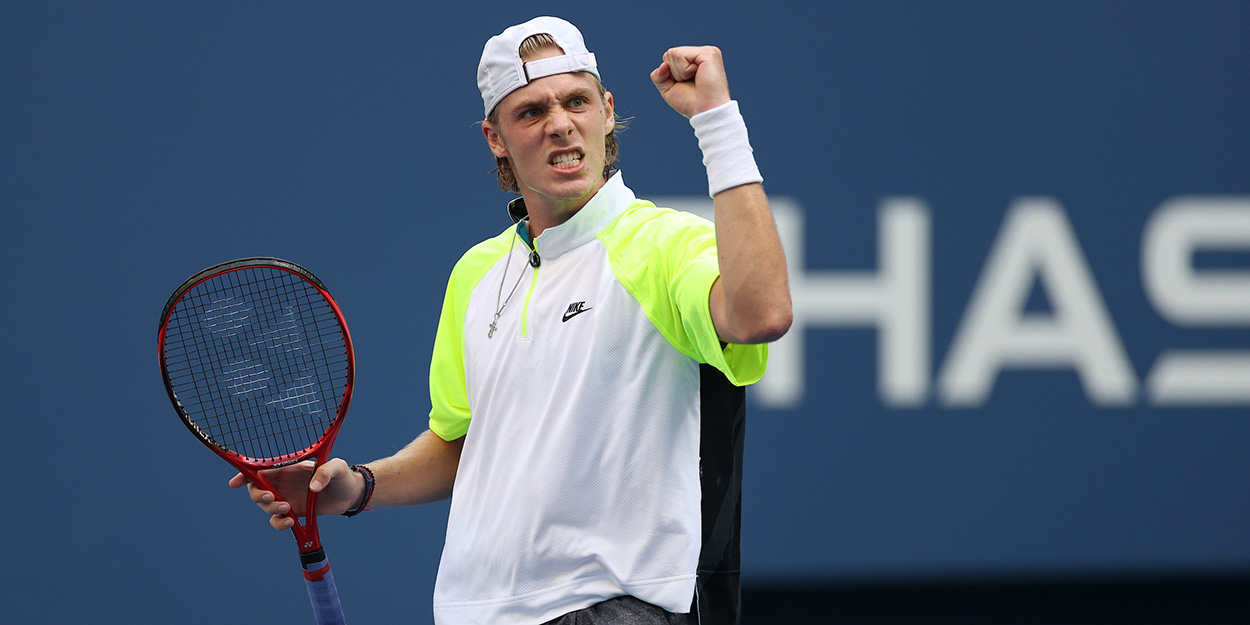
(568, 159)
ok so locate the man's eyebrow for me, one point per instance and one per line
(525, 105)
(583, 91)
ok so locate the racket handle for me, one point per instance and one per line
(322, 592)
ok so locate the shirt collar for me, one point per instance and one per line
(609, 202)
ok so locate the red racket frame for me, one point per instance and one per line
(306, 534)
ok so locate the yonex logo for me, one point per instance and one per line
(574, 310)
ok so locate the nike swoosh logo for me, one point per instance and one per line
(574, 312)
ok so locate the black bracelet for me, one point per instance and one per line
(364, 503)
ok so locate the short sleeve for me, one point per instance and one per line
(450, 411)
(667, 260)
(449, 400)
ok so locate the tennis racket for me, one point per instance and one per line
(258, 363)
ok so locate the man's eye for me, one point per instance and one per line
(577, 102)
(530, 113)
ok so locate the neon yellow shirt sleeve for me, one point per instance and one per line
(450, 411)
(667, 260)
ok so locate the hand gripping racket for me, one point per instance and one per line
(258, 363)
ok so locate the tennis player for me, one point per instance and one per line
(588, 370)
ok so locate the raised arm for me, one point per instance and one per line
(750, 302)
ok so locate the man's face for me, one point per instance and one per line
(553, 132)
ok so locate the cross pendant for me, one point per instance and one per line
(492, 326)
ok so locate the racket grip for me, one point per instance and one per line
(322, 592)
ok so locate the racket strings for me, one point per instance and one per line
(258, 360)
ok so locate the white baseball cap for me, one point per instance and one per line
(501, 70)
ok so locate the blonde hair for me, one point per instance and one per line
(503, 168)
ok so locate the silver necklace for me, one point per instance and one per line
(498, 306)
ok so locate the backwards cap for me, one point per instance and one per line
(501, 70)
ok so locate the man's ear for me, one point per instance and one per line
(494, 140)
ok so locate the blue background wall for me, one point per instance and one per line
(142, 141)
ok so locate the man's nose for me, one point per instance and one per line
(559, 123)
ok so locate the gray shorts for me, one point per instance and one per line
(623, 611)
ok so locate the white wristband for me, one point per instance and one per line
(722, 135)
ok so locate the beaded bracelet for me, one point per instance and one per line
(364, 503)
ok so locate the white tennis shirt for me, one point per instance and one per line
(579, 478)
